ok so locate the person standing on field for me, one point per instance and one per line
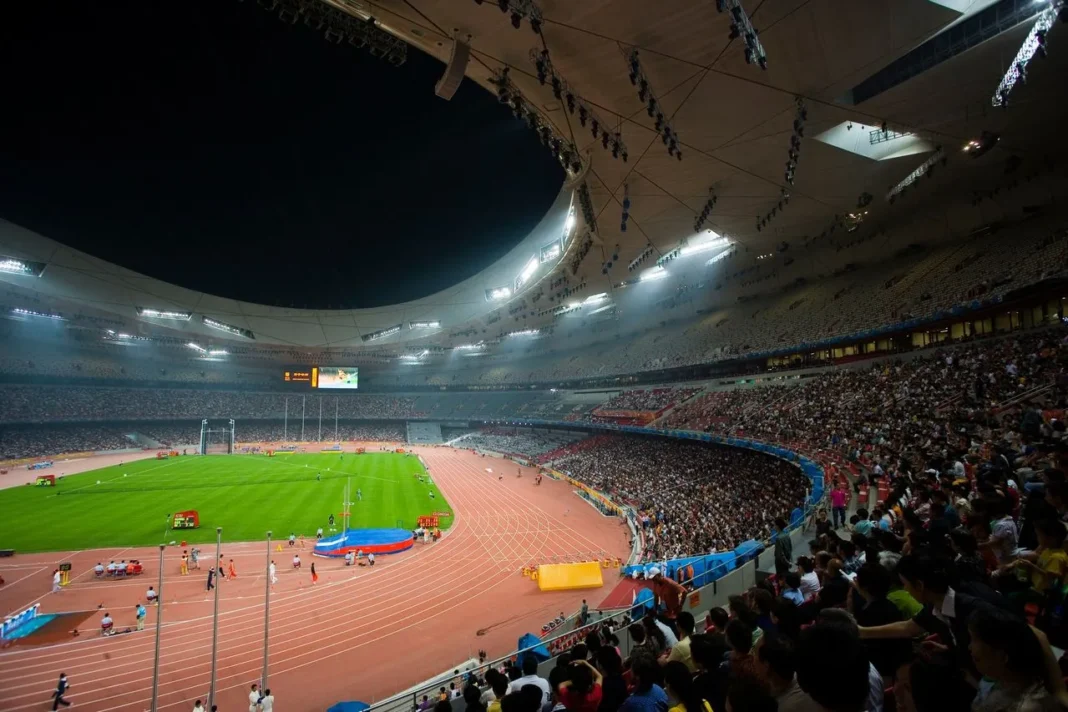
(271, 573)
(55, 581)
(211, 578)
(141, 613)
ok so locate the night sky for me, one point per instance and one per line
(208, 144)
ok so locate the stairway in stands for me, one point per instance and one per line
(420, 433)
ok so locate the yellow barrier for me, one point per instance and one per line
(565, 577)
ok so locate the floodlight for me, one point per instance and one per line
(528, 271)
(29, 312)
(163, 314)
(653, 273)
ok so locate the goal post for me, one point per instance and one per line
(216, 438)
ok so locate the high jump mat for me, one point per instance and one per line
(565, 577)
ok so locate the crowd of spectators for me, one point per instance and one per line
(515, 441)
(177, 434)
(955, 402)
(24, 403)
(691, 498)
(50, 441)
(647, 399)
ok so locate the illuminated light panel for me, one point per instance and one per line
(654, 273)
(528, 271)
(569, 224)
(381, 333)
(41, 315)
(10, 265)
(551, 251)
(1025, 55)
(229, 329)
(498, 293)
(424, 324)
(598, 310)
(196, 347)
(163, 314)
(721, 256)
(715, 243)
(218, 352)
(922, 171)
(524, 332)
(594, 298)
(469, 347)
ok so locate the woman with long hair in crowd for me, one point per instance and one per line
(678, 683)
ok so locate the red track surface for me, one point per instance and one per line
(360, 633)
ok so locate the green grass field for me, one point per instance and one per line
(244, 494)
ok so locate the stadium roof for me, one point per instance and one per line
(884, 85)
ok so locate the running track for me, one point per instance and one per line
(359, 634)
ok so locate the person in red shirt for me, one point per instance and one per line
(667, 592)
(582, 693)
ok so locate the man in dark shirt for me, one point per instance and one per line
(945, 613)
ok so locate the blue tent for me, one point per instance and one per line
(539, 651)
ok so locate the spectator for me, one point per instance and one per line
(775, 665)
(583, 691)
(680, 689)
(680, 652)
(648, 695)
(1006, 651)
(530, 677)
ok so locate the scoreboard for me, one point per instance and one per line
(323, 377)
(303, 375)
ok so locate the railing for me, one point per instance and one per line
(714, 594)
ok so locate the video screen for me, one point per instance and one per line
(338, 376)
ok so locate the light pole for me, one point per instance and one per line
(159, 630)
(266, 613)
(215, 617)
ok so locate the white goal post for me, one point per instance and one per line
(216, 438)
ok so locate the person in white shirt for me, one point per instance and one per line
(530, 677)
(198, 706)
(267, 701)
(296, 561)
(151, 595)
(371, 559)
(254, 698)
(271, 573)
(56, 588)
(810, 580)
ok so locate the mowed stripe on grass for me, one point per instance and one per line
(244, 494)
